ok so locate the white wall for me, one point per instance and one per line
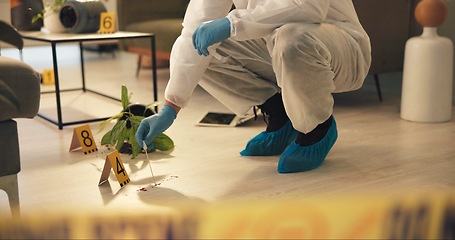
(5, 11)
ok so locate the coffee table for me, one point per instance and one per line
(56, 38)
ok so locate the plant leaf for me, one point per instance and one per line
(107, 121)
(136, 149)
(152, 106)
(135, 123)
(136, 120)
(7, 95)
(125, 98)
(116, 131)
(121, 137)
(38, 16)
(163, 142)
(106, 138)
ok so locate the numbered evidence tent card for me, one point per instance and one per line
(107, 22)
(48, 77)
(83, 138)
(114, 162)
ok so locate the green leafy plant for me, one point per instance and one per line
(122, 134)
(7, 95)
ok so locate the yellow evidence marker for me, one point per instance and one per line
(107, 22)
(114, 161)
(83, 138)
(48, 77)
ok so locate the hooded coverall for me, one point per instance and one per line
(305, 49)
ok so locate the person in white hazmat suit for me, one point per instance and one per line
(286, 57)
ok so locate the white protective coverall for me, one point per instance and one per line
(305, 49)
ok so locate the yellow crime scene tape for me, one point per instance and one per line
(417, 216)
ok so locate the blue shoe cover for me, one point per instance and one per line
(270, 143)
(298, 158)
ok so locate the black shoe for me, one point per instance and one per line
(274, 113)
(307, 139)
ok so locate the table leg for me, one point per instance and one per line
(57, 86)
(82, 66)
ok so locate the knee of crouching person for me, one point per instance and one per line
(295, 39)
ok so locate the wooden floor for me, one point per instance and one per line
(376, 152)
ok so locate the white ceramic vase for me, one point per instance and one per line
(51, 21)
(427, 78)
(428, 68)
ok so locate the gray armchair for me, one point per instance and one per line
(19, 98)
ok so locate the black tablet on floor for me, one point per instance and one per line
(223, 119)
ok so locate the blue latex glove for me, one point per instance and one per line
(151, 126)
(210, 33)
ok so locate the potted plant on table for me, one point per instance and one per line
(122, 134)
(51, 16)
